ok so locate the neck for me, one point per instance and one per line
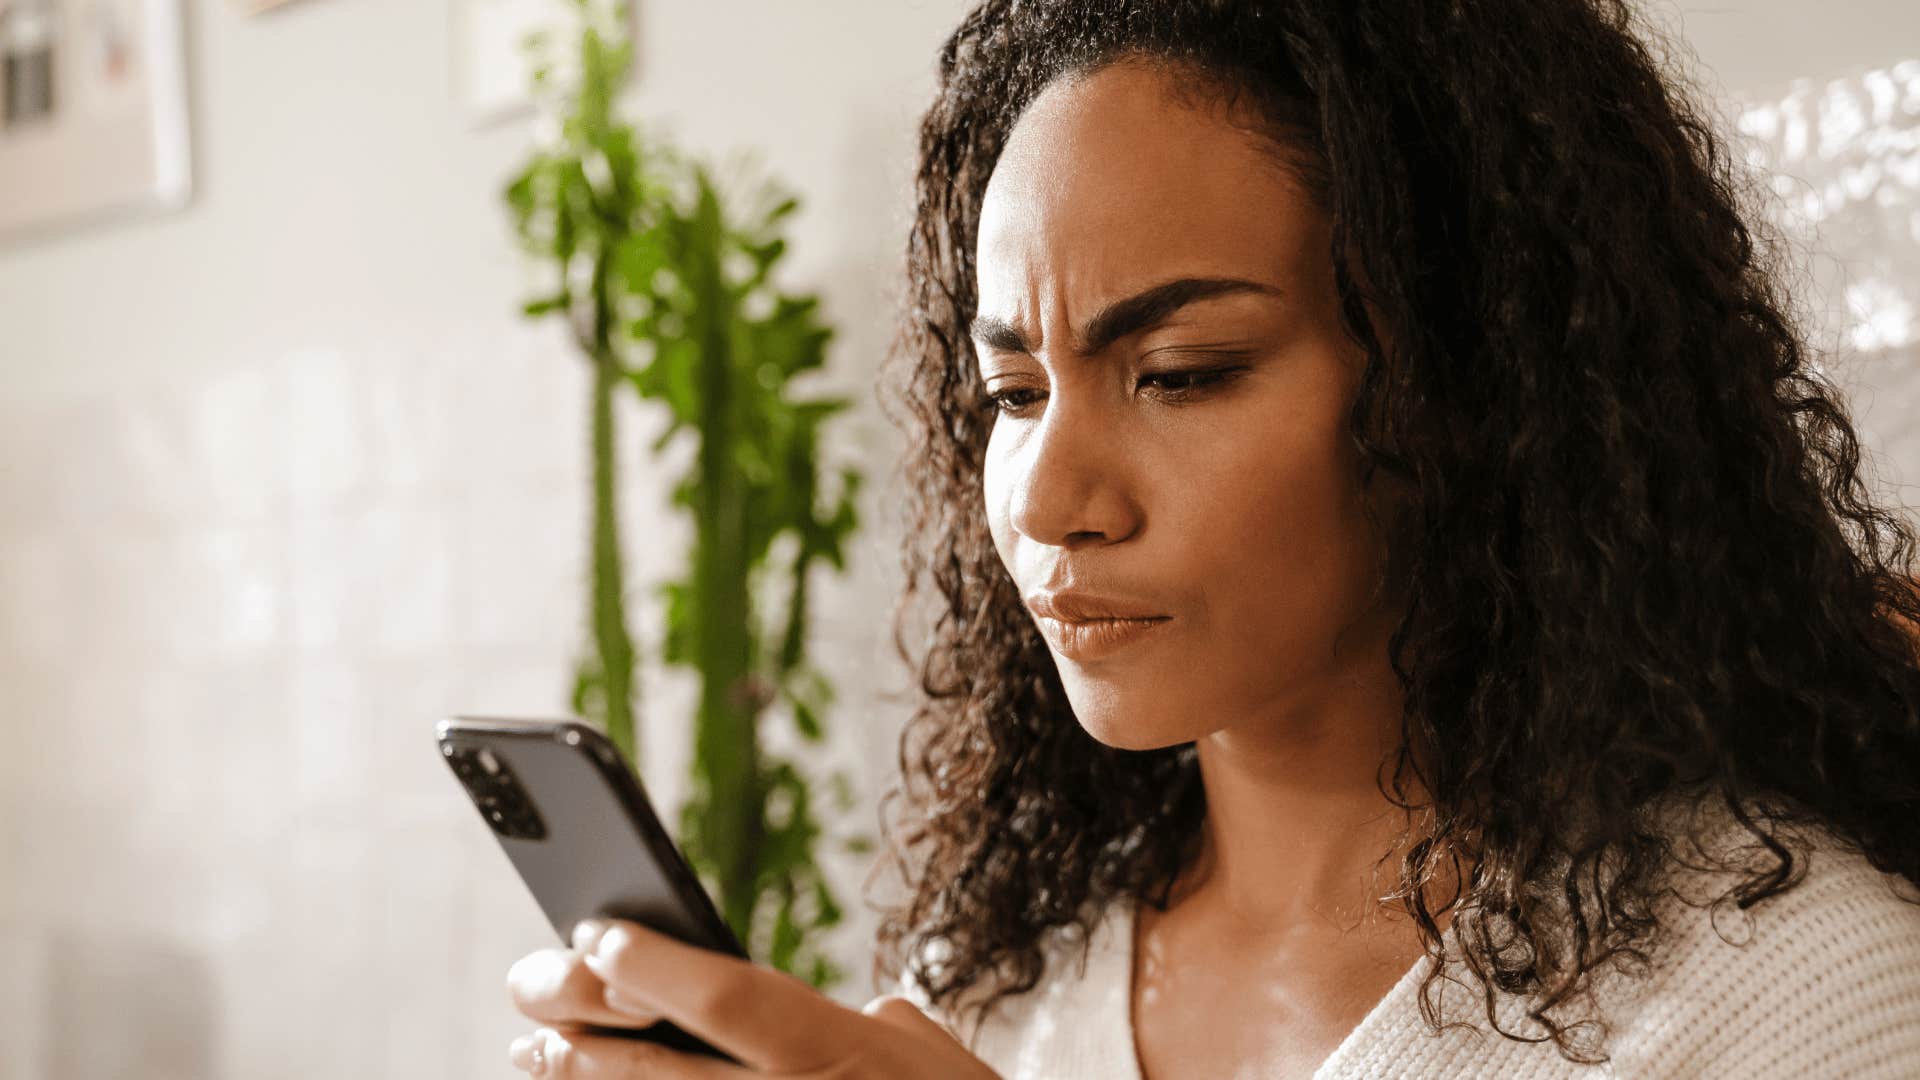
(1297, 823)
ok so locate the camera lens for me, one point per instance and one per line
(527, 825)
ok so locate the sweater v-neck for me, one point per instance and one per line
(1114, 958)
(1694, 1007)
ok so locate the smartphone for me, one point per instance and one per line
(577, 824)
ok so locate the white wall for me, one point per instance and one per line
(284, 479)
(1756, 48)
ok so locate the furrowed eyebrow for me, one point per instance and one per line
(1141, 311)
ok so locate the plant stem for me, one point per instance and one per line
(729, 746)
(609, 589)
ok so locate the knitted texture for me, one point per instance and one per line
(1820, 981)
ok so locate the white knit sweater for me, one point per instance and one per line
(1820, 981)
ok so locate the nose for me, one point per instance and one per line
(1072, 479)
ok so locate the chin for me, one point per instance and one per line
(1121, 720)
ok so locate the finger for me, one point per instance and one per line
(553, 986)
(764, 1018)
(550, 1054)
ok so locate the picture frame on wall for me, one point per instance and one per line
(93, 111)
(490, 71)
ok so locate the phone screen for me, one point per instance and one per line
(577, 824)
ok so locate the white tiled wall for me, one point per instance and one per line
(232, 616)
(284, 480)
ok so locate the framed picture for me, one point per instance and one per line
(491, 71)
(93, 110)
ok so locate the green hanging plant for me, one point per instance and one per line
(670, 294)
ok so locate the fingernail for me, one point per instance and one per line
(520, 1052)
(586, 933)
(628, 1007)
(610, 940)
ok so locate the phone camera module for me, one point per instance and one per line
(491, 784)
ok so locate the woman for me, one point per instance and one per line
(1396, 568)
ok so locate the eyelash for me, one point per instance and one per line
(1198, 380)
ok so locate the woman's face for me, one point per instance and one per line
(1185, 456)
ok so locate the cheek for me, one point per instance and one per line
(994, 476)
(1271, 528)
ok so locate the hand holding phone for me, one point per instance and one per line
(771, 1022)
(576, 824)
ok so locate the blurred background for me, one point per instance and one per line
(286, 475)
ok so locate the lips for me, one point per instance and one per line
(1082, 626)
(1084, 607)
(1092, 639)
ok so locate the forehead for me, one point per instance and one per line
(1111, 180)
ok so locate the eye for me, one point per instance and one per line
(1181, 384)
(1176, 385)
(1005, 401)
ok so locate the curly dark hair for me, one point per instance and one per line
(1638, 556)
